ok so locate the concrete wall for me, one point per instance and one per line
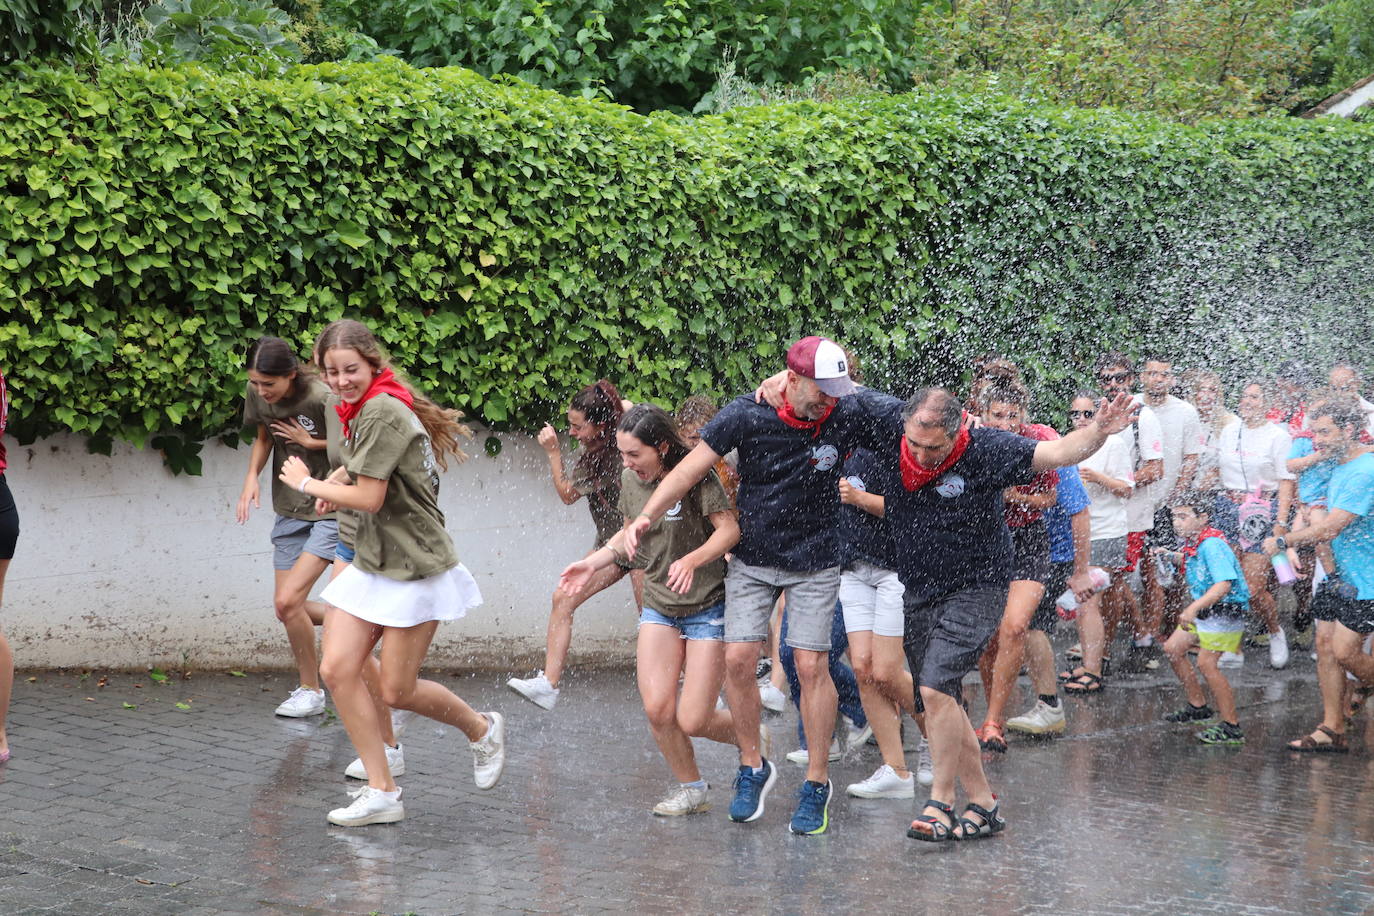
(121, 564)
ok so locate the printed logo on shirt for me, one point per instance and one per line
(674, 513)
(306, 423)
(857, 482)
(824, 457)
(950, 486)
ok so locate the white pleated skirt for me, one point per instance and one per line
(393, 603)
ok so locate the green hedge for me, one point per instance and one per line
(510, 243)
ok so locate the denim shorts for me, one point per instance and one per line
(707, 624)
(751, 592)
(343, 552)
(292, 537)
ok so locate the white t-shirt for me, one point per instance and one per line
(1144, 441)
(1108, 512)
(1182, 436)
(1252, 458)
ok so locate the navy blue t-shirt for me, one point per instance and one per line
(789, 497)
(863, 535)
(951, 535)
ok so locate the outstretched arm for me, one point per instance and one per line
(1111, 418)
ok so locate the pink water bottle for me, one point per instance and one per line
(1067, 604)
(1283, 570)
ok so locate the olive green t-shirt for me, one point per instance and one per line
(679, 531)
(602, 490)
(405, 539)
(307, 409)
(333, 429)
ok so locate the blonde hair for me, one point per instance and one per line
(441, 423)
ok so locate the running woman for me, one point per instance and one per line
(9, 537)
(405, 577)
(286, 406)
(593, 417)
(682, 625)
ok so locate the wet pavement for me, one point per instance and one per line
(218, 807)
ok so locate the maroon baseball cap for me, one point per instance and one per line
(823, 361)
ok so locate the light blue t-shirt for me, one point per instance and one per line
(1352, 489)
(1070, 500)
(1216, 562)
(1312, 483)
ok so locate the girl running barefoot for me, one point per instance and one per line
(287, 408)
(682, 626)
(405, 576)
(592, 420)
(9, 536)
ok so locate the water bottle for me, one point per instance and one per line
(1283, 570)
(1067, 603)
(1164, 569)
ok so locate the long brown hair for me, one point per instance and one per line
(651, 425)
(274, 356)
(601, 405)
(441, 423)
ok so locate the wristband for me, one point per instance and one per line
(303, 483)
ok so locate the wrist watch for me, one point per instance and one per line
(1281, 542)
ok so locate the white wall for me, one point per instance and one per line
(121, 564)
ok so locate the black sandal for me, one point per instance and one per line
(930, 828)
(1072, 674)
(989, 822)
(1085, 683)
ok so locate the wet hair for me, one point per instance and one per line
(1004, 391)
(1343, 410)
(987, 369)
(1200, 501)
(1091, 394)
(1112, 359)
(695, 411)
(651, 425)
(1157, 356)
(274, 356)
(945, 405)
(600, 404)
(1266, 390)
(441, 424)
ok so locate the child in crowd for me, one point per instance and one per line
(1214, 620)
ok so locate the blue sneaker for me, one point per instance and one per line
(813, 809)
(750, 791)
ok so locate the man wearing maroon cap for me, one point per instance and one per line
(790, 463)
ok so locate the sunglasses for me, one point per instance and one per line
(1082, 414)
(1106, 377)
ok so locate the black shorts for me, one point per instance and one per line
(9, 521)
(1046, 614)
(1325, 603)
(1030, 546)
(1353, 613)
(945, 637)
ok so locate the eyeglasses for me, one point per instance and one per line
(1082, 414)
(1106, 377)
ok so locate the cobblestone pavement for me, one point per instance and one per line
(219, 807)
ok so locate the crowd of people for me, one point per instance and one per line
(865, 552)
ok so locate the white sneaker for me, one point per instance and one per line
(395, 761)
(773, 699)
(370, 806)
(801, 756)
(884, 783)
(302, 702)
(536, 689)
(925, 766)
(683, 800)
(1278, 649)
(1043, 719)
(400, 718)
(489, 752)
(1231, 660)
(856, 737)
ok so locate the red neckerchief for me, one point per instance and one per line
(789, 416)
(383, 382)
(915, 476)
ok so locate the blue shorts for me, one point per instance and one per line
(707, 624)
(343, 552)
(292, 537)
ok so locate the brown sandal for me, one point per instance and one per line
(1308, 744)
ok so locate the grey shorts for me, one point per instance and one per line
(292, 537)
(752, 591)
(944, 637)
(1109, 553)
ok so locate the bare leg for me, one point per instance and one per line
(891, 676)
(1092, 634)
(660, 653)
(1217, 683)
(348, 643)
(1176, 649)
(299, 616)
(1348, 647)
(883, 715)
(1040, 663)
(403, 651)
(703, 673)
(561, 619)
(954, 750)
(371, 671)
(6, 668)
(1255, 566)
(742, 693)
(819, 706)
(1022, 600)
(777, 676)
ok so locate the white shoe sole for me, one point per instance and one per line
(380, 817)
(699, 809)
(541, 702)
(299, 714)
(855, 791)
(1026, 729)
